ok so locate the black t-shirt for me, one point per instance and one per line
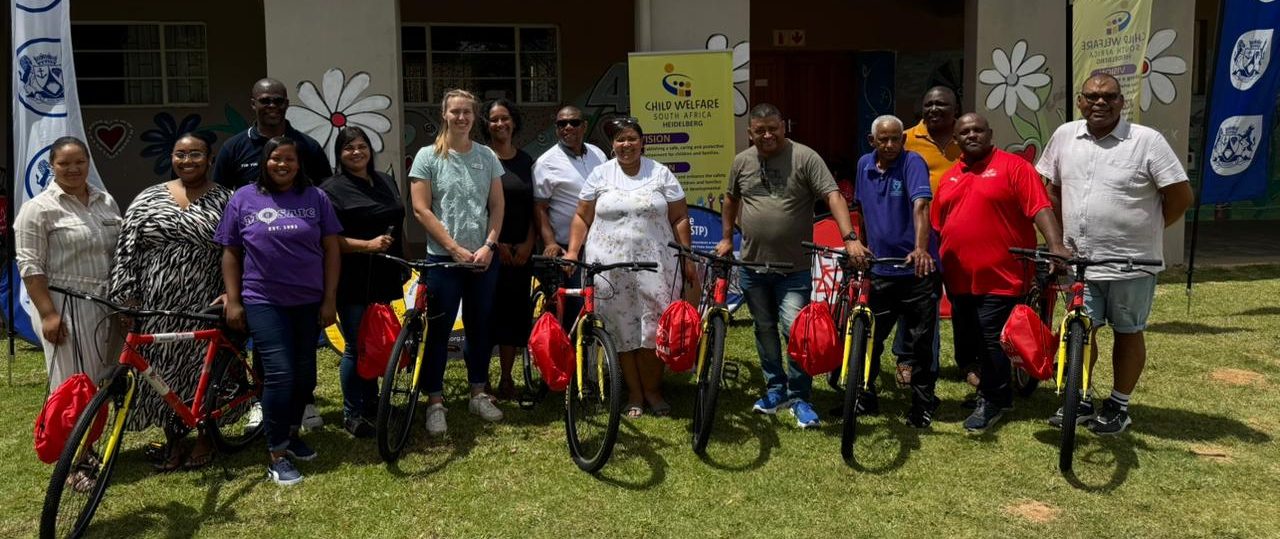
(517, 196)
(237, 162)
(366, 209)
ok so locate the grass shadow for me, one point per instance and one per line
(178, 520)
(1190, 328)
(1189, 426)
(738, 430)
(1100, 464)
(1261, 311)
(903, 438)
(634, 445)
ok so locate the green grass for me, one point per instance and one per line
(763, 477)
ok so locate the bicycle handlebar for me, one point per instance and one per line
(893, 261)
(423, 265)
(728, 260)
(1129, 263)
(135, 313)
(592, 268)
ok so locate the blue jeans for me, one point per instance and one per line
(774, 298)
(285, 339)
(474, 289)
(359, 396)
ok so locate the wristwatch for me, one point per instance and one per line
(493, 246)
(851, 236)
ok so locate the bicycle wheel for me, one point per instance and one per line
(853, 384)
(88, 459)
(399, 398)
(709, 378)
(1071, 397)
(1024, 384)
(592, 412)
(534, 387)
(232, 390)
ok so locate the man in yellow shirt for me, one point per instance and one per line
(932, 137)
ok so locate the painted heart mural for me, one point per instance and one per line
(110, 136)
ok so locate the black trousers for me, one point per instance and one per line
(911, 303)
(977, 321)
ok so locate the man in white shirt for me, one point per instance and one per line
(558, 177)
(1117, 185)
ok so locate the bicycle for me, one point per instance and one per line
(1074, 344)
(1043, 297)
(710, 369)
(227, 387)
(856, 322)
(398, 399)
(595, 385)
(542, 297)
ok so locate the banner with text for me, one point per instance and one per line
(1110, 36)
(684, 101)
(1242, 103)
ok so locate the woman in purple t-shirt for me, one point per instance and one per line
(280, 266)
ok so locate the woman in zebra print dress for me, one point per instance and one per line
(166, 259)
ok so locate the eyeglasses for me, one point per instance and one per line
(575, 122)
(197, 155)
(624, 122)
(269, 101)
(1092, 97)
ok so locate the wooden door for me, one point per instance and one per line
(816, 93)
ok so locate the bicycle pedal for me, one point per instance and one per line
(730, 371)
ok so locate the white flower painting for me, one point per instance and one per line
(741, 68)
(337, 104)
(1014, 79)
(1157, 69)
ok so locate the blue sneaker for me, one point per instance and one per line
(283, 473)
(299, 450)
(806, 418)
(770, 403)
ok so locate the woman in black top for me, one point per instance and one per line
(511, 310)
(369, 206)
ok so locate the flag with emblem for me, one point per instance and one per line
(1242, 105)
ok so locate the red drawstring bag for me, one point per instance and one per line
(58, 417)
(552, 353)
(679, 330)
(1029, 343)
(813, 343)
(375, 340)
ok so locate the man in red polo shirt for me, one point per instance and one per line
(986, 203)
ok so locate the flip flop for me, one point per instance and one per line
(196, 461)
(662, 409)
(633, 411)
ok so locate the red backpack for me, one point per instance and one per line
(552, 353)
(1029, 343)
(679, 330)
(813, 344)
(375, 340)
(59, 415)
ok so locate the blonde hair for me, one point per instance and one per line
(442, 140)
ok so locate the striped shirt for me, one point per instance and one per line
(68, 242)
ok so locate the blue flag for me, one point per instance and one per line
(1242, 107)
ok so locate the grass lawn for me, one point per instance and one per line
(1200, 461)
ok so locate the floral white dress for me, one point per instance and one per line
(631, 225)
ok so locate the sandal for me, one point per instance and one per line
(200, 456)
(633, 411)
(173, 461)
(904, 374)
(662, 409)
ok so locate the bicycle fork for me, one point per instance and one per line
(1087, 324)
(848, 345)
(721, 313)
(121, 414)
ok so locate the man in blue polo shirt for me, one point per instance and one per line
(237, 162)
(892, 186)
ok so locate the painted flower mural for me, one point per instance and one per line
(741, 68)
(1014, 79)
(338, 104)
(1157, 69)
(161, 139)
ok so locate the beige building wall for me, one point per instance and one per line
(680, 25)
(1024, 37)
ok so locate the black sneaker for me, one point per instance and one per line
(1110, 421)
(970, 402)
(919, 417)
(1084, 412)
(984, 415)
(359, 427)
(868, 404)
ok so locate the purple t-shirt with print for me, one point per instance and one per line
(281, 236)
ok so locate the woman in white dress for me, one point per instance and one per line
(629, 208)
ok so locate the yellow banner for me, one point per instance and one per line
(684, 101)
(1110, 36)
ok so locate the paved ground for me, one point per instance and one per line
(1233, 243)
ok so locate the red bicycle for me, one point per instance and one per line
(228, 386)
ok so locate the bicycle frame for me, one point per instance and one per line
(131, 358)
(855, 298)
(714, 303)
(1075, 311)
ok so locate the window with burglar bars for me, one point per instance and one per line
(520, 63)
(141, 64)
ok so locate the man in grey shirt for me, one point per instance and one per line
(773, 185)
(1117, 186)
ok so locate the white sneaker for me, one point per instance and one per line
(436, 425)
(311, 418)
(255, 417)
(482, 405)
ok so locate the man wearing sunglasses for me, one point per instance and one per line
(1117, 186)
(237, 162)
(558, 177)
